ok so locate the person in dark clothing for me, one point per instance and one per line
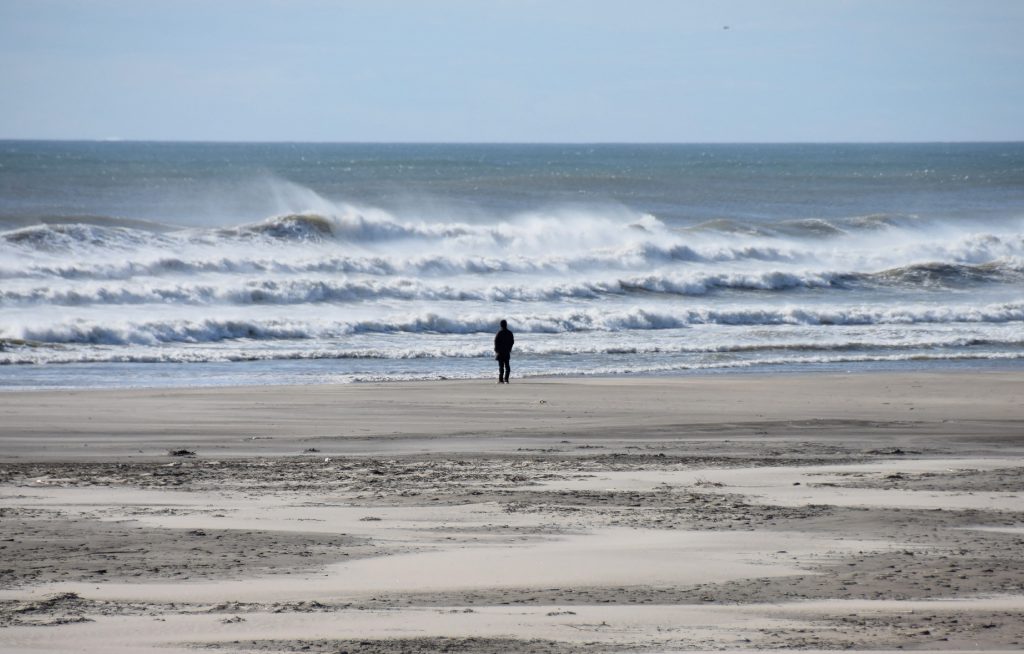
(503, 342)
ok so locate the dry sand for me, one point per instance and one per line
(815, 512)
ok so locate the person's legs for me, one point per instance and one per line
(503, 370)
(508, 369)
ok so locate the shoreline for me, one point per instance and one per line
(199, 369)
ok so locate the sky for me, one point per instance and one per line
(513, 70)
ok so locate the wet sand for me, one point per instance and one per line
(866, 511)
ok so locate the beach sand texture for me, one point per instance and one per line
(872, 511)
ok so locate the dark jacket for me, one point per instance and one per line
(503, 342)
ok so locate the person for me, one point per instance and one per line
(503, 342)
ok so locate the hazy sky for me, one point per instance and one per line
(513, 70)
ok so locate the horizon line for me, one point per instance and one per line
(509, 143)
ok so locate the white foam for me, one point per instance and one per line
(312, 282)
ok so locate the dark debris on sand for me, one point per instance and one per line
(424, 646)
(62, 608)
(409, 475)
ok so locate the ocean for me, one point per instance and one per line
(133, 264)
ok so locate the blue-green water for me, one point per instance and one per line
(200, 263)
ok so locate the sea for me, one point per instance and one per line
(155, 264)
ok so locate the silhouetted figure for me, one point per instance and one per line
(503, 342)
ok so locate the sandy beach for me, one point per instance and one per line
(869, 511)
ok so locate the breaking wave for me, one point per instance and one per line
(299, 289)
(374, 242)
(350, 224)
(151, 332)
(306, 291)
